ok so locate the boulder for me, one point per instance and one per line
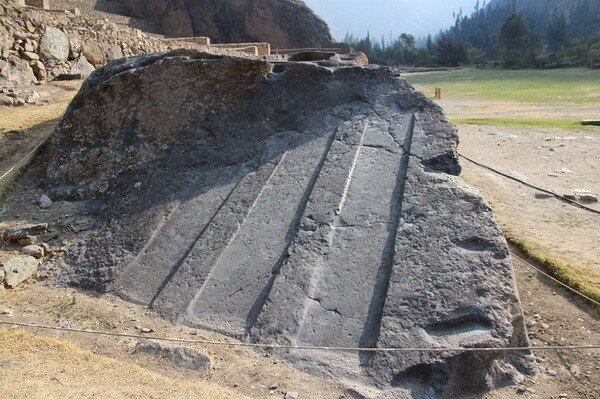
(17, 71)
(93, 53)
(183, 357)
(19, 269)
(54, 45)
(82, 67)
(114, 53)
(291, 203)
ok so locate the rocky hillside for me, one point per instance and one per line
(283, 23)
(39, 45)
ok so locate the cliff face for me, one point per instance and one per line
(283, 23)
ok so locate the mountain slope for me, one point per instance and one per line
(283, 23)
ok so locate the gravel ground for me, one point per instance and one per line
(555, 159)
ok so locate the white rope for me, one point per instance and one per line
(311, 348)
(573, 290)
(560, 197)
(8, 172)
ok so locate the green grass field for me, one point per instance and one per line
(554, 86)
(533, 122)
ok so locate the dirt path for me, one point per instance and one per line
(471, 108)
(555, 159)
(557, 317)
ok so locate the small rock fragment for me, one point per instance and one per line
(15, 234)
(25, 241)
(552, 373)
(44, 202)
(9, 363)
(291, 395)
(19, 269)
(184, 357)
(6, 312)
(34, 250)
(582, 195)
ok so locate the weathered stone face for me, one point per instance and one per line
(294, 204)
(54, 45)
(283, 23)
(16, 71)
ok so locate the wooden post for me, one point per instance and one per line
(438, 93)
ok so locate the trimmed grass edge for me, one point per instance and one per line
(557, 268)
(524, 122)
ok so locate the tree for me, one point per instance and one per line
(365, 45)
(517, 43)
(476, 56)
(449, 53)
(429, 46)
(583, 20)
(556, 32)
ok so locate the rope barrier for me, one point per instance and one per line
(560, 197)
(15, 166)
(571, 289)
(311, 348)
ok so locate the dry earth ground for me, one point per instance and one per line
(547, 226)
(48, 364)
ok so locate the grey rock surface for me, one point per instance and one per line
(296, 203)
(16, 233)
(54, 45)
(82, 66)
(16, 71)
(183, 357)
(19, 269)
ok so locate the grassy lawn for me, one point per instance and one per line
(554, 86)
(539, 122)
